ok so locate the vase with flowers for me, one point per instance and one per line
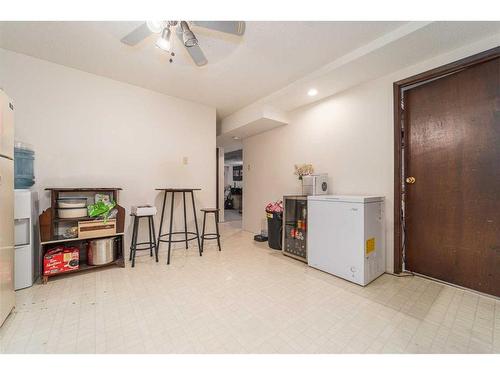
(302, 170)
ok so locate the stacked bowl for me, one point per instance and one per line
(72, 207)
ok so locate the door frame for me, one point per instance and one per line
(398, 88)
(219, 183)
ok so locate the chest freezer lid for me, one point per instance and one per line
(346, 198)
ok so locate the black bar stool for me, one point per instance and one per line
(210, 236)
(150, 245)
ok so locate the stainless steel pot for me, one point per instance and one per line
(101, 251)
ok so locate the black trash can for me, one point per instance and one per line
(274, 230)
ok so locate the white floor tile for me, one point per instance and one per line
(245, 299)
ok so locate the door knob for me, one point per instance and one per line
(410, 180)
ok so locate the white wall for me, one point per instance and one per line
(228, 175)
(348, 135)
(92, 131)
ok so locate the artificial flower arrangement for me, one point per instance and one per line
(275, 207)
(303, 170)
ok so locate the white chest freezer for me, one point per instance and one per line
(346, 236)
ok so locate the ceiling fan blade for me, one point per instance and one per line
(137, 35)
(195, 52)
(229, 27)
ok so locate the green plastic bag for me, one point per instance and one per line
(100, 208)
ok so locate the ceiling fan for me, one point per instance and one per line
(182, 29)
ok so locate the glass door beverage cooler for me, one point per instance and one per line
(295, 226)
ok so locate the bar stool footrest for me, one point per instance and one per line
(148, 246)
(210, 236)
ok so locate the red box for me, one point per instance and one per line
(61, 259)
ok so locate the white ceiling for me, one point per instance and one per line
(240, 70)
(407, 45)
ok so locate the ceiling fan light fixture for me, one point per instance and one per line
(164, 41)
(155, 26)
(188, 37)
(183, 33)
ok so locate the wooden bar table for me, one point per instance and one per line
(194, 235)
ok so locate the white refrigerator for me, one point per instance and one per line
(7, 296)
(346, 236)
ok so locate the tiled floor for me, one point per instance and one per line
(246, 299)
(232, 215)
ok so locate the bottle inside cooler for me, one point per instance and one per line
(295, 227)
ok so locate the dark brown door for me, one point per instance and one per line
(453, 152)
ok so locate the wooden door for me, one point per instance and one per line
(452, 150)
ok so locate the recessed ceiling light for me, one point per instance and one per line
(236, 138)
(312, 92)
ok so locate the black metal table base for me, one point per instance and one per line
(170, 233)
(195, 236)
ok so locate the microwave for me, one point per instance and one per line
(315, 184)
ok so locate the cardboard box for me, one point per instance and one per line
(146, 210)
(61, 259)
(96, 228)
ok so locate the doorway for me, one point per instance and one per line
(447, 174)
(233, 187)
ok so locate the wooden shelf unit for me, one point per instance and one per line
(50, 225)
(83, 218)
